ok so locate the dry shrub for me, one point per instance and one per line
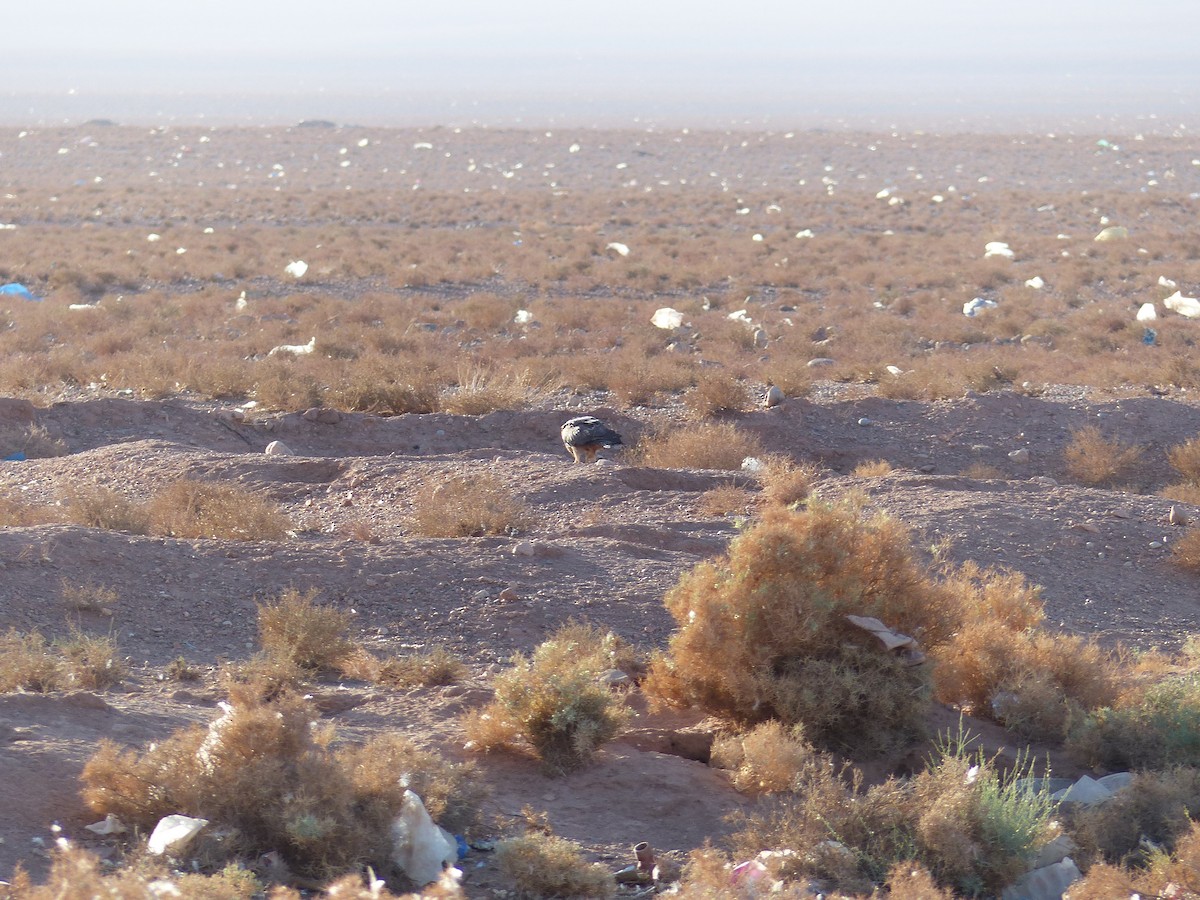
(429, 668)
(1185, 459)
(263, 776)
(34, 441)
(791, 375)
(263, 676)
(768, 758)
(1183, 491)
(1000, 665)
(725, 500)
(468, 506)
(554, 701)
(17, 514)
(982, 472)
(545, 865)
(89, 598)
(26, 663)
(716, 393)
(75, 662)
(76, 874)
(972, 831)
(1094, 460)
(100, 507)
(1185, 552)
(481, 391)
(189, 508)
(1156, 809)
(376, 385)
(704, 446)
(296, 628)
(876, 468)
(783, 481)
(763, 631)
(1153, 727)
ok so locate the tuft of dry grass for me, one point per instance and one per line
(783, 481)
(189, 508)
(767, 759)
(554, 702)
(725, 500)
(1094, 460)
(1185, 459)
(480, 391)
(545, 865)
(714, 394)
(872, 469)
(295, 628)
(76, 662)
(707, 445)
(468, 506)
(32, 441)
(271, 782)
(1185, 552)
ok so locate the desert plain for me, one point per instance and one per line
(465, 291)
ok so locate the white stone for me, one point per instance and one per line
(278, 448)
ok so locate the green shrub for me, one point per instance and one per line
(1147, 730)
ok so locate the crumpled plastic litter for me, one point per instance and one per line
(997, 248)
(619, 248)
(1185, 306)
(666, 317)
(1147, 313)
(296, 268)
(523, 317)
(421, 847)
(174, 833)
(972, 307)
(1112, 233)
(16, 289)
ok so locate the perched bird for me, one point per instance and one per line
(583, 437)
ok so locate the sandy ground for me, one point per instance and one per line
(610, 539)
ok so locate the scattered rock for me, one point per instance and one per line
(820, 361)
(1020, 455)
(1178, 516)
(322, 415)
(864, 422)
(509, 594)
(524, 548)
(278, 448)
(774, 396)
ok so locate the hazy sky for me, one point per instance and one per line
(617, 58)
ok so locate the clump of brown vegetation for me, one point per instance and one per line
(875, 468)
(468, 506)
(32, 441)
(554, 702)
(1185, 459)
(265, 777)
(714, 394)
(77, 661)
(187, 508)
(425, 668)
(725, 500)
(768, 758)
(708, 445)
(763, 632)
(783, 480)
(296, 629)
(959, 824)
(1095, 460)
(545, 865)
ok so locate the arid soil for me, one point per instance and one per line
(609, 541)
